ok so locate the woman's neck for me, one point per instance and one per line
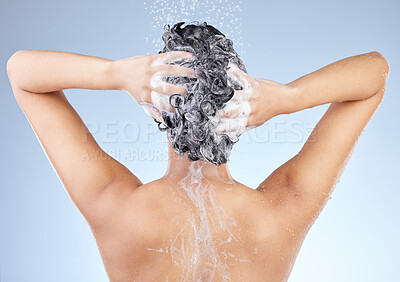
(179, 167)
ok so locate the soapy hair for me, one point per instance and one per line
(191, 129)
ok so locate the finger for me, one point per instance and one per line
(161, 102)
(169, 89)
(174, 70)
(230, 108)
(151, 111)
(239, 97)
(236, 72)
(238, 112)
(177, 55)
(168, 57)
(235, 109)
(163, 87)
(234, 135)
(233, 113)
(240, 76)
(237, 125)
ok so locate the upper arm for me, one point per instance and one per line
(304, 183)
(84, 169)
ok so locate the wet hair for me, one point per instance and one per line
(191, 129)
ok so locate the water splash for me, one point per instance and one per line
(225, 15)
(201, 195)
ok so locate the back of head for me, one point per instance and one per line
(192, 128)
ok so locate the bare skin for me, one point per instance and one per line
(148, 232)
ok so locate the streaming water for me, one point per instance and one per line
(209, 238)
(225, 15)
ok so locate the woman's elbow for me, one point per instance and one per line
(382, 63)
(385, 63)
(382, 69)
(12, 64)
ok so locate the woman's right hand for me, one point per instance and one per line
(141, 77)
(258, 101)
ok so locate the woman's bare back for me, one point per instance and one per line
(203, 231)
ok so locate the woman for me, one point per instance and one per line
(196, 222)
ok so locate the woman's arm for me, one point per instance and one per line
(38, 77)
(355, 86)
(354, 78)
(42, 71)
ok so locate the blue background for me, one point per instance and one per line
(44, 237)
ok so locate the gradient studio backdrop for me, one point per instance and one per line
(43, 236)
